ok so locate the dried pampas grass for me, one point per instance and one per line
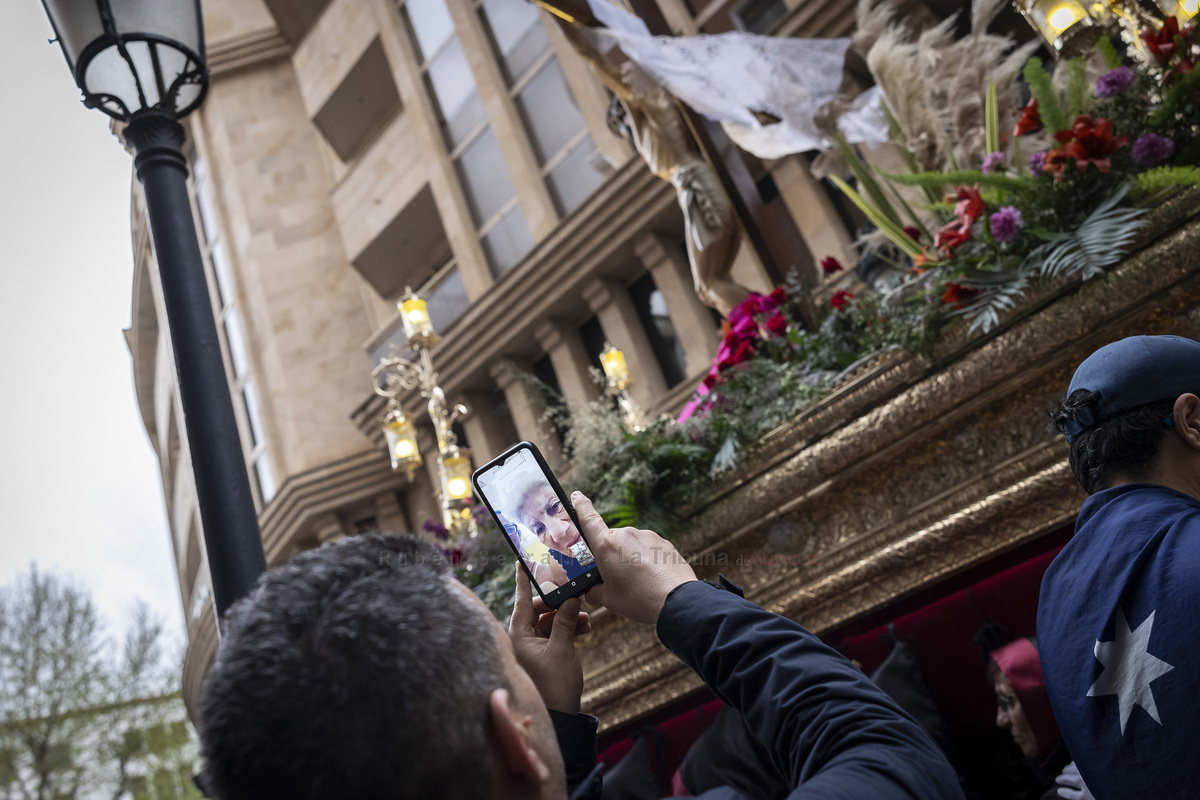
(936, 84)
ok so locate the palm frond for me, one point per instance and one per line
(1100, 241)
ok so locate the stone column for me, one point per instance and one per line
(693, 322)
(487, 435)
(610, 302)
(389, 515)
(328, 528)
(527, 407)
(568, 355)
(813, 211)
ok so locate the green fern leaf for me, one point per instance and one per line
(1100, 241)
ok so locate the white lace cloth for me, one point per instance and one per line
(728, 76)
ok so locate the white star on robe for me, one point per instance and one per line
(1129, 668)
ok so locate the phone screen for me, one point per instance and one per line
(537, 521)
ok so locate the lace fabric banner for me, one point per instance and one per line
(729, 76)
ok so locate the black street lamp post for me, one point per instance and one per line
(142, 62)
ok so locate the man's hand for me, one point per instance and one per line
(544, 643)
(639, 568)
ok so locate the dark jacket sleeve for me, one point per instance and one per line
(830, 731)
(576, 734)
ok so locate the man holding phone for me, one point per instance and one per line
(360, 670)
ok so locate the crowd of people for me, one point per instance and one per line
(365, 670)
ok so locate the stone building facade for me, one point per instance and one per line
(350, 148)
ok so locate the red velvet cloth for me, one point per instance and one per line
(1021, 664)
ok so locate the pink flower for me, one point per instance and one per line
(991, 161)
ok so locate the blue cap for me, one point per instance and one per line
(1135, 372)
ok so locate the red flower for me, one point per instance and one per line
(841, 298)
(1169, 41)
(951, 237)
(959, 295)
(1090, 141)
(777, 325)
(710, 380)
(969, 206)
(1056, 162)
(913, 233)
(1030, 121)
(830, 265)
(778, 296)
(744, 351)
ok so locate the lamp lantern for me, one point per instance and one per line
(1182, 10)
(132, 55)
(615, 367)
(1066, 25)
(414, 316)
(456, 478)
(401, 437)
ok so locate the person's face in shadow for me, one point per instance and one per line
(544, 514)
(1011, 716)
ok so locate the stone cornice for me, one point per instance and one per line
(249, 50)
(307, 495)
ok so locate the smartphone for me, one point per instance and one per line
(539, 523)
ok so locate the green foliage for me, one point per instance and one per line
(867, 181)
(1164, 178)
(966, 177)
(1178, 97)
(76, 718)
(992, 118)
(1108, 52)
(1100, 241)
(881, 219)
(1079, 93)
(1042, 87)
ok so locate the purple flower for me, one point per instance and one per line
(1037, 162)
(1113, 83)
(1005, 223)
(1151, 149)
(991, 161)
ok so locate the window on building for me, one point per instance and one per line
(229, 322)
(500, 220)
(539, 89)
(652, 311)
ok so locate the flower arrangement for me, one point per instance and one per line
(1099, 153)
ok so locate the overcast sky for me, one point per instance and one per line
(79, 489)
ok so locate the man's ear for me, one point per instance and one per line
(1186, 416)
(510, 729)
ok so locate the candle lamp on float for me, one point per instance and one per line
(395, 376)
(618, 381)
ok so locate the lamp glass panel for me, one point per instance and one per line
(108, 73)
(77, 24)
(178, 20)
(458, 478)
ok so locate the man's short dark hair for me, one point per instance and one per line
(1126, 444)
(355, 671)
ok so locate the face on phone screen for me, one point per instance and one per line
(536, 521)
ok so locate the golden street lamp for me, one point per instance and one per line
(395, 375)
(1182, 10)
(616, 371)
